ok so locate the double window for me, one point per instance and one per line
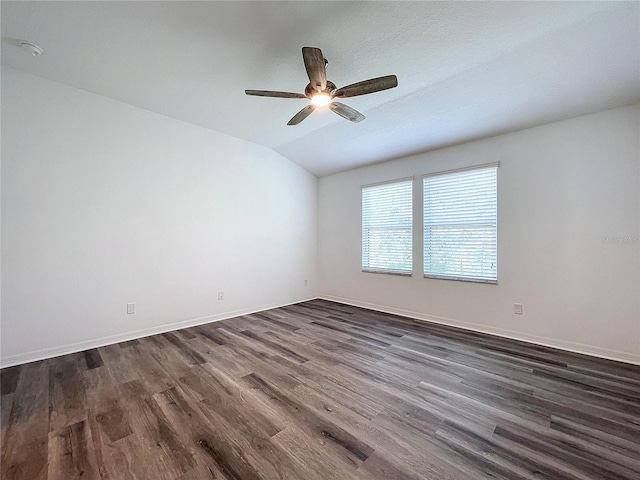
(459, 225)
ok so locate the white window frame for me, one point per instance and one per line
(426, 225)
(364, 242)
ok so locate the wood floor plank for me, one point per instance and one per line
(93, 358)
(25, 446)
(312, 457)
(321, 390)
(344, 443)
(377, 467)
(6, 405)
(112, 460)
(67, 395)
(71, 455)
(9, 379)
(155, 431)
(209, 444)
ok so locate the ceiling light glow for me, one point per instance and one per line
(321, 100)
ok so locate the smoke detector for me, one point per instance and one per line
(31, 48)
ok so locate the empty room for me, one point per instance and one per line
(320, 240)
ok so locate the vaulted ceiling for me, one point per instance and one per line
(466, 70)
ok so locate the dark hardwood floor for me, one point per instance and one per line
(317, 391)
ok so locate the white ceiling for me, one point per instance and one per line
(466, 70)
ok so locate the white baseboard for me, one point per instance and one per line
(132, 335)
(591, 350)
(109, 340)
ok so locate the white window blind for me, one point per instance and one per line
(460, 224)
(387, 218)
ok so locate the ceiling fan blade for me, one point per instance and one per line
(301, 115)
(346, 112)
(367, 86)
(269, 93)
(315, 65)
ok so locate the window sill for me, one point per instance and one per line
(462, 279)
(389, 272)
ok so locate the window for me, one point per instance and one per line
(460, 224)
(387, 227)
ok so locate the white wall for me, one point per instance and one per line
(562, 188)
(104, 204)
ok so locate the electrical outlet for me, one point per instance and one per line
(220, 295)
(517, 308)
(131, 308)
(306, 283)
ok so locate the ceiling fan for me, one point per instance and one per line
(321, 92)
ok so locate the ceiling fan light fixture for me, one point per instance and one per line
(322, 92)
(321, 99)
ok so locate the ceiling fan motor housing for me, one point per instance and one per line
(330, 89)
